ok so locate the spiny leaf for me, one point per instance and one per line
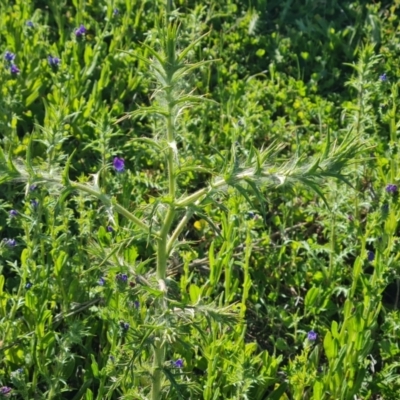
(65, 173)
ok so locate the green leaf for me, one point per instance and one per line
(311, 297)
(65, 174)
(60, 262)
(95, 367)
(278, 392)
(194, 292)
(330, 347)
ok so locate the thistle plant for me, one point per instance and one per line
(162, 221)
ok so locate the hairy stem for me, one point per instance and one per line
(163, 249)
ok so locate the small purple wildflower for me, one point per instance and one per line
(34, 203)
(28, 285)
(383, 77)
(371, 255)
(14, 69)
(115, 12)
(80, 31)
(391, 188)
(110, 228)
(53, 61)
(30, 24)
(136, 304)
(122, 277)
(9, 56)
(5, 390)
(102, 282)
(124, 325)
(119, 164)
(13, 213)
(32, 188)
(178, 363)
(10, 242)
(312, 336)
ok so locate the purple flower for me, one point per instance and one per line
(102, 282)
(10, 242)
(32, 188)
(391, 188)
(124, 326)
(122, 277)
(13, 213)
(30, 24)
(34, 203)
(5, 390)
(178, 363)
(14, 69)
(80, 31)
(53, 61)
(115, 12)
(9, 56)
(383, 77)
(312, 335)
(119, 164)
(28, 285)
(110, 228)
(371, 256)
(136, 304)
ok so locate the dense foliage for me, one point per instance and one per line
(199, 200)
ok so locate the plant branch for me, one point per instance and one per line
(117, 207)
(178, 230)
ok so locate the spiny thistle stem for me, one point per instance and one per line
(170, 156)
(159, 356)
(162, 242)
(162, 250)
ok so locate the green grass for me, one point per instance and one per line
(259, 139)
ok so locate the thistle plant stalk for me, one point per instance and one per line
(162, 242)
(246, 173)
